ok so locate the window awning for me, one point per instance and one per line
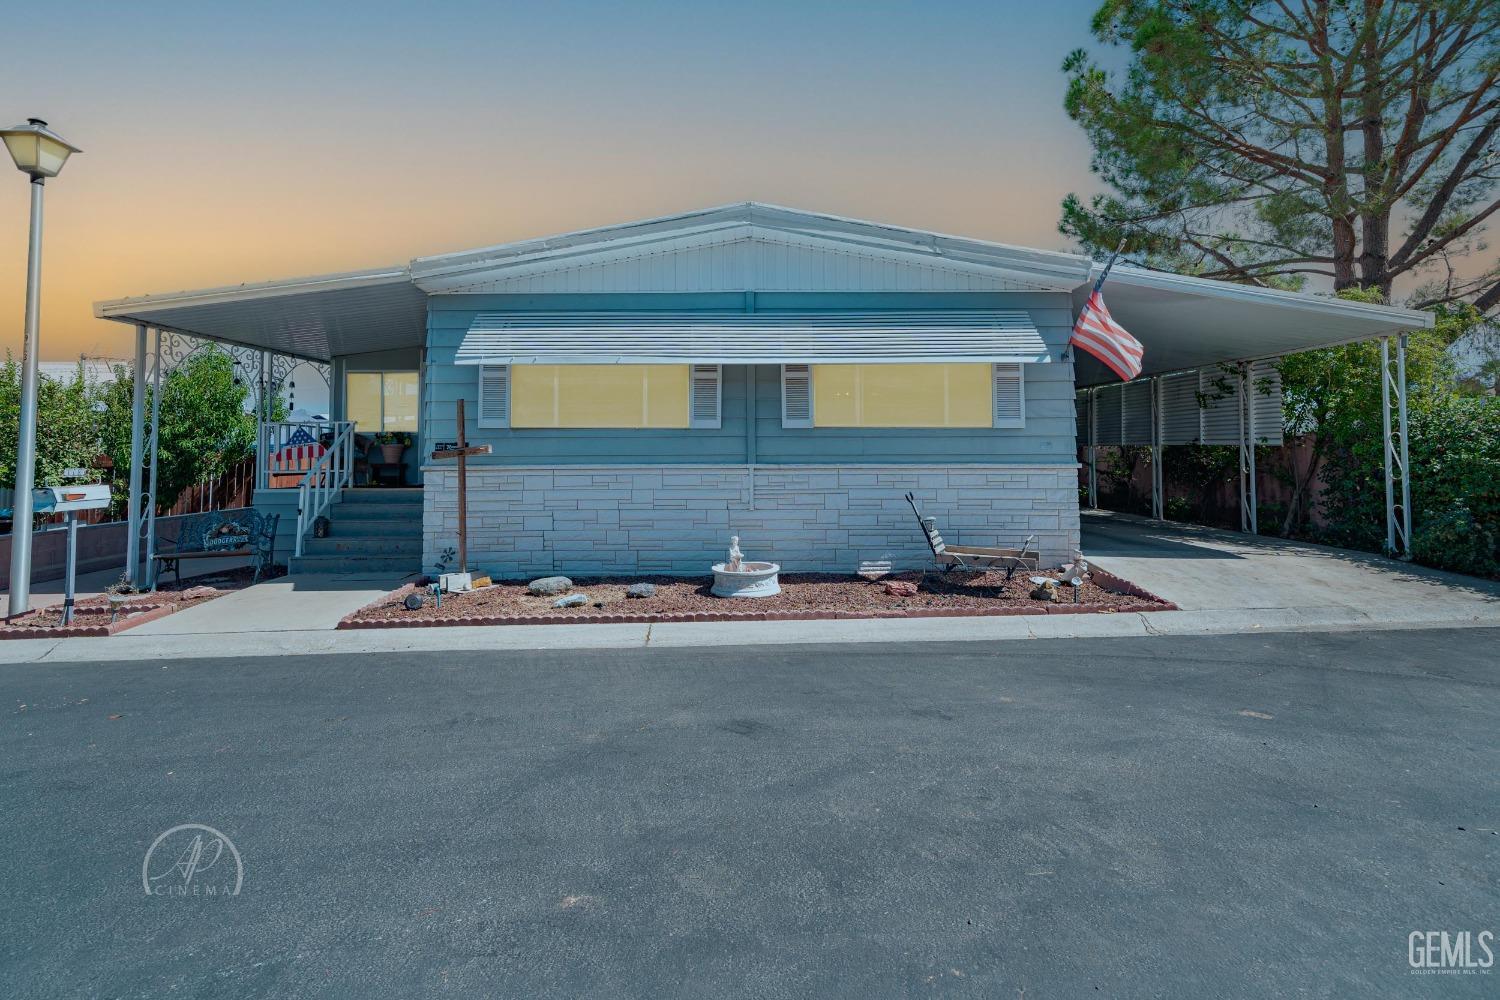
(751, 338)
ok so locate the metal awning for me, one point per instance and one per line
(751, 338)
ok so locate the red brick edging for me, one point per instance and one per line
(646, 618)
(92, 631)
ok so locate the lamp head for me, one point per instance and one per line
(37, 150)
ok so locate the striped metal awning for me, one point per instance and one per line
(739, 338)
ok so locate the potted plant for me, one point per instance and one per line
(392, 444)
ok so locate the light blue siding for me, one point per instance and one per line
(1048, 436)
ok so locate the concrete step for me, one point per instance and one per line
(385, 546)
(359, 510)
(406, 525)
(346, 564)
(393, 497)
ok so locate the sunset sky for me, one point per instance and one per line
(231, 142)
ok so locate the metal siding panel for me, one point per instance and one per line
(1221, 418)
(1182, 419)
(1135, 419)
(1109, 414)
(1265, 397)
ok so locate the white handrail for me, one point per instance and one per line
(323, 483)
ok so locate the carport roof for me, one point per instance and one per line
(317, 317)
(1183, 322)
(1186, 322)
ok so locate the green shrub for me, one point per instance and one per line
(1454, 539)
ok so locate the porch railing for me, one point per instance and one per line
(330, 473)
(287, 449)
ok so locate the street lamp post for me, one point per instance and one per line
(40, 153)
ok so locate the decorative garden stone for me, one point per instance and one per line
(641, 590)
(571, 601)
(901, 588)
(549, 585)
(1046, 590)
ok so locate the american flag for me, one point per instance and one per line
(1097, 332)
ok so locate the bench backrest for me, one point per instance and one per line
(228, 530)
(929, 527)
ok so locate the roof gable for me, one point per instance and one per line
(749, 247)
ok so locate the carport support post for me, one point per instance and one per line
(1094, 448)
(1247, 452)
(1397, 471)
(137, 459)
(155, 461)
(1157, 483)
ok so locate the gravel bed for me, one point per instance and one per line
(802, 594)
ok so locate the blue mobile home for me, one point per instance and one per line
(755, 372)
(650, 389)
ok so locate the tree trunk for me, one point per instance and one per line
(1375, 237)
(1294, 505)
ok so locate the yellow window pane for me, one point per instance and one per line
(630, 396)
(598, 396)
(400, 395)
(362, 400)
(666, 395)
(970, 396)
(903, 395)
(915, 395)
(835, 395)
(533, 395)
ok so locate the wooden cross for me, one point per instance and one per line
(462, 453)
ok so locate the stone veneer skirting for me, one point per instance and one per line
(677, 519)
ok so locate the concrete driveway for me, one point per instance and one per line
(1203, 569)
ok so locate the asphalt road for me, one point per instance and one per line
(1190, 817)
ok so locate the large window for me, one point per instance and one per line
(381, 401)
(903, 395)
(599, 396)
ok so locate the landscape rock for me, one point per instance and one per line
(194, 593)
(571, 601)
(549, 585)
(1045, 592)
(641, 590)
(900, 588)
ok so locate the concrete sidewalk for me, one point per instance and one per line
(1224, 582)
(300, 603)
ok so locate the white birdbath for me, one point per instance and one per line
(751, 579)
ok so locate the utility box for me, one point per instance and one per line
(61, 499)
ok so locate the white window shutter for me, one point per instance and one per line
(704, 397)
(796, 396)
(494, 396)
(1009, 395)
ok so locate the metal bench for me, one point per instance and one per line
(222, 535)
(974, 557)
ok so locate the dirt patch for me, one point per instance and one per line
(95, 616)
(803, 596)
